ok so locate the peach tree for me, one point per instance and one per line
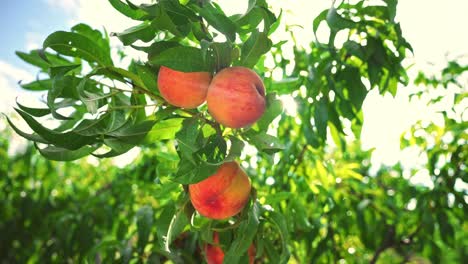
(266, 171)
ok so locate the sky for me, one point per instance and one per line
(434, 29)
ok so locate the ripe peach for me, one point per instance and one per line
(183, 89)
(215, 255)
(223, 194)
(236, 97)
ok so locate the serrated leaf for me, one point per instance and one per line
(254, 47)
(35, 59)
(235, 150)
(264, 142)
(244, 235)
(165, 129)
(144, 32)
(176, 226)
(175, 23)
(77, 45)
(62, 154)
(336, 22)
(33, 137)
(185, 59)
(317, 20)
(190, 173)
(285, 86)
(148, 76)
(157, 47)
(126, 10)
(68, 140)
(274, 107)
(37, 112)
(133, 133)
(218, 20)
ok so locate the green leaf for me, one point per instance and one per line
(32, 137)
(321, 117)
(57, 73)
(37, 112)
(136, 14)
(144, 221)
(218, 20)
(285, 86)
(177, 24)
(220, 54)
(336, 22)
(190, 173)
(34, 58)
(39, 85)
(274, 107)
(148, 76)
(93, 34)
(68, 140)
(62, 154)
(92, 127)
(235, 150)
(187, 137)
(357, 91)
(264, 142)
(186, 59)
(61, 70)
(279, 221)
(321, 17)
(77, 45)
(245, 235)
(144, 32)
(157, 47)
(165, 129)
(254, 47)
(133, 133)
(176, 226)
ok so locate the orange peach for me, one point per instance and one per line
(236, 97)
(183, 89)
(223, 194)
(215, 255)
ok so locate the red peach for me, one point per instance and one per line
(236, 97)
(223, 194)
(215, 255)
(183, 89)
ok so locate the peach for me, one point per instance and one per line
(236, 97)
(223, 194)
(215, 255)
(183, 89)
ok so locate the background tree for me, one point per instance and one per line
(313, 199)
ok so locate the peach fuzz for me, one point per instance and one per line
(215, 255)
(183, 89)
(236, 97)
(223, 194)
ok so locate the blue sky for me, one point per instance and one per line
(24, 23)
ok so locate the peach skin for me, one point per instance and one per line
(183, 89)
(236, 97)
(223, 194)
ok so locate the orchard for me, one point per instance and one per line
(248, 144)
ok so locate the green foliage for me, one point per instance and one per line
(313, 199)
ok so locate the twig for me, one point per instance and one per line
(387, 242)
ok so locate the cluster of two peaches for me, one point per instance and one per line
(235, 98)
